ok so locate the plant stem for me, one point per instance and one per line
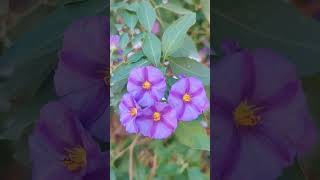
(131, 148)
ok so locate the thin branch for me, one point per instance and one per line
(154, 168)
(131, 148)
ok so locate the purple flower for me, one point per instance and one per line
(230, 46)
(189, 99)
(156, 27)
(82, 72)
(147, 85)
(203, 53)
(129, 110)
(114, 42)
(158, 121)
(260, 116)
(61, 148)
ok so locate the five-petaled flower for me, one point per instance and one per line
(62, 149)
(260, 116)
(189, 99)
(147, 85)
(158, 121)
(129, 111)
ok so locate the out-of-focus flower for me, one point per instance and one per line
(114, 42)
(62, 149)
(261, 120)
(204, 53)
(188, 97)
(229, 47)
(158, 121)
(129, 110)
(147, 85)
(156, 27)
(82, 73)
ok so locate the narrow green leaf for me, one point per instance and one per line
(198, 139)
(175, 8)
(174, 36)
(130, 19)
(146, 15)
(133, 6)
(188, 50)
(152, 48)
(191, 67)
(124, 40)
(195, 173)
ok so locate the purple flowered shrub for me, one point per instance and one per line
(147, 85)
(143, 110)
(61, 148)
(260, 116)
(129, 111)
(157, 121)
(189, 99)
(81, 76)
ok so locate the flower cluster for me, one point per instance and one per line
(142, 109)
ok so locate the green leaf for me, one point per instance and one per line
(195, 173)
(133, 6)
(130, 19)
(121, 74)
(112, 174)
(192, 68)
(188, 50)
(174, 36)
(168, 170)
(175, 8)
(193, 135)
(146, 15)
(206, 8)
(284, 30)
(135, 57)
(152, 48)
(124, 40)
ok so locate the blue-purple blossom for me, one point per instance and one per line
(189, 99)
(81, 76)
(147, 85)
(114, 42)
(129, 110)
(260, 116)
(61, 148)
(158, 121)
(156, 27)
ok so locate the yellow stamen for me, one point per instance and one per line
(146, 85)
(156, 116)
(186, 97)
(75, 159)
(133, 112)
(246, 115)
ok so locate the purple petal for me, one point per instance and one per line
(228, 78)
(88, 38)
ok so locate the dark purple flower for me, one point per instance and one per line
(158, 121)
(61, 148)
(82, 71)
(114, 42)
(156, 27)
(230, 46)
(189, 99)
(147, 85)
(129, 110)
(261, 120)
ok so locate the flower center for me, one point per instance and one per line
(156, 116)
(186, 97)
(146, 85)
(75, 159)
(133, 112)
(246, 115)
